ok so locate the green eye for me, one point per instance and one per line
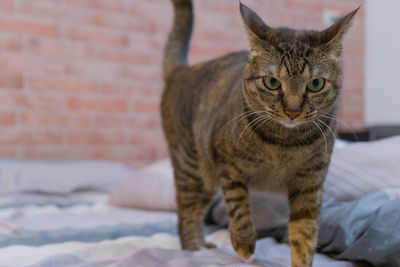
(271, 83)
(316, 85)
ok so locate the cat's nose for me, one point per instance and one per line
(292, 114)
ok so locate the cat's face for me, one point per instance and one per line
(294, 76)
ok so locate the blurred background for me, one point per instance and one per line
(82, 79)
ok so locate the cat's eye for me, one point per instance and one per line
(316, 85)
(271, 83)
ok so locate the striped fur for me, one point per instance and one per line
(226, 130)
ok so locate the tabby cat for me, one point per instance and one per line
(261, 120)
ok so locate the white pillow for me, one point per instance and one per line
(150, 188)
(356, 169)
(59, 177)
(361, 168)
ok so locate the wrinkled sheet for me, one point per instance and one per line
(83, 230)
(366, 229)
(157, 250)
(82, 218)
(58, 215)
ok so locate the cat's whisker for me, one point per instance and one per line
(309, 126)
(257, 124)
(260, 122)
(344, 123)
(246, 113)
(266, 119)
(247, 126)
(329, 128)
(238, 122)
(322, 132)
(241, 117)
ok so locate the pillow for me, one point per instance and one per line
(59, 177)
(149, 188)
(362, 168)
(356, 169)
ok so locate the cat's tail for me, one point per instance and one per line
(176, 49)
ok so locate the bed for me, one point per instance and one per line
(99, 213)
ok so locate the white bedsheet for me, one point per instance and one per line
(72, 227)
(97, 234)
(157, 250)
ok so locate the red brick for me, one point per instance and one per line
(16, 25)
(114, 121)
(219, 7)
(48, 102)
(12, 101)
(143, 138)
(78, 104)
(58, 49)
(6, 5)
(143, 26)
(151, 107)
(38, 8)
(10, 43)
(11, 80)
(7, 118)
(118, 55)
(28, 137)
(141, 73)
(307, 6)
(97, 36)
(131, 123)
(52, 152)
(8, 152)
(115, 88)
(56, 120)
(41, 137)
(94, 69)
(114, 5)
(23, 63)
(65, 84)
(116, 21)
(103, 138)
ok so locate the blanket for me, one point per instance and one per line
(360, 214)
(157, 250)
(57, 214)
(49, 220)
(93, 233)
(366, 229)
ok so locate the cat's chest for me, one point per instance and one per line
(270, 168)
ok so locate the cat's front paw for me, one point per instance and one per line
(244, 243)
(209, 245)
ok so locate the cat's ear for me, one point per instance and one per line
(331, 38)
(256, 28)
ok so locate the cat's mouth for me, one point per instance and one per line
(290, 123)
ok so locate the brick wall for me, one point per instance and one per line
(82, 78)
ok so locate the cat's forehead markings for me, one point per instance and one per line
(307, 73)
(283, 72)
(272, 69)
(318, 71)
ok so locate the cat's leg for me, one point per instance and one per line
(192, 199)
(304, 201)
(241, 226)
